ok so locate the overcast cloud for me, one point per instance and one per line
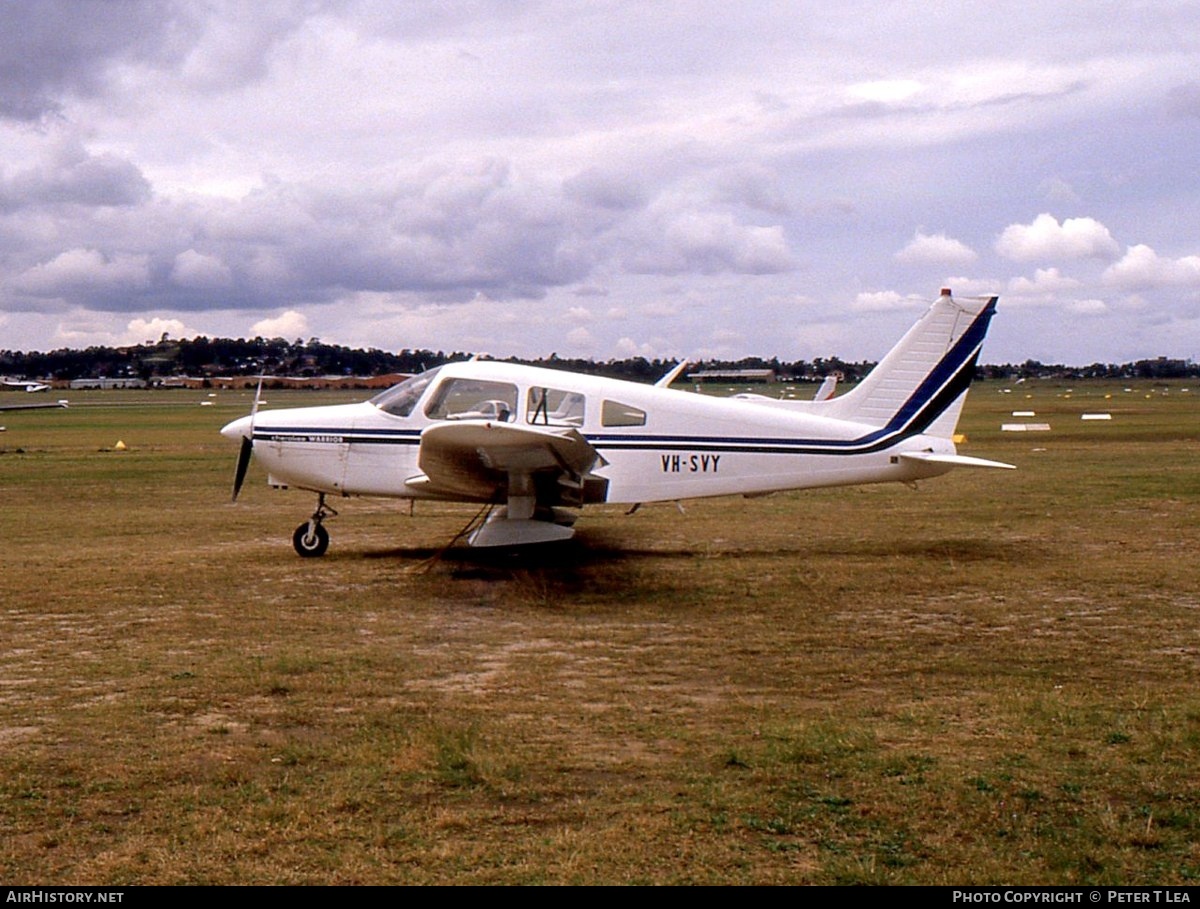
(601, 179)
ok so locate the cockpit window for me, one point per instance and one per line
(399, 400)
(473, 399)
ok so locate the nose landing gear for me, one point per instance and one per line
(311, 539)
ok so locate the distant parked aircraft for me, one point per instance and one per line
(26, 385)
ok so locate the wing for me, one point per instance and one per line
(46, 406)
(486, 460)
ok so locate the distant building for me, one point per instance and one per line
(737, 376)
(380, 382)
(121, 382)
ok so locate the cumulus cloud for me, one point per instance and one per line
(1089, 307)
(934, 249)
(1141, 268)
(458, 230)
(886, 301)
(200, 272)
(52, 50)
(665, 308)
(85, 268)
(451, 233)
(606, 189)
(1044, 281)
(234, 47)
(962, 285)
(627, 347)
(78, 327)
(290, 324)
(50, 47)
(754, 186)
(581, 339)
(68, 174)
(708, 242)
(140, 331)
(1045, 238)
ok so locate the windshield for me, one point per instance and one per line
(399, 400)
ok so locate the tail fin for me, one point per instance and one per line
(828, 387)
(920, 386)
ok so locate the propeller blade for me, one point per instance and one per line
(243, 462)
(247, 448)
(257, 401)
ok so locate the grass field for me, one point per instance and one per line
(990, 679)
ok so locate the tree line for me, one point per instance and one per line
(204, 357)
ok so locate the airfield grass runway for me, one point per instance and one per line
(990, 679)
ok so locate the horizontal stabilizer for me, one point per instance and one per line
(954, 460)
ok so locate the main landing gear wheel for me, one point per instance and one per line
(310, 543)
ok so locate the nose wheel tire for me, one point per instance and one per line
(310, 540)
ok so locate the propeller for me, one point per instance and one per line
(243, 463)
(247, 449)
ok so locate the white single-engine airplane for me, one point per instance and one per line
(26, 385)
(540, 444)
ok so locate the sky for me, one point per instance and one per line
(601, 179)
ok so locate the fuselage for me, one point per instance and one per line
(654, 444)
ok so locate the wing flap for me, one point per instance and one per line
(477, 457)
